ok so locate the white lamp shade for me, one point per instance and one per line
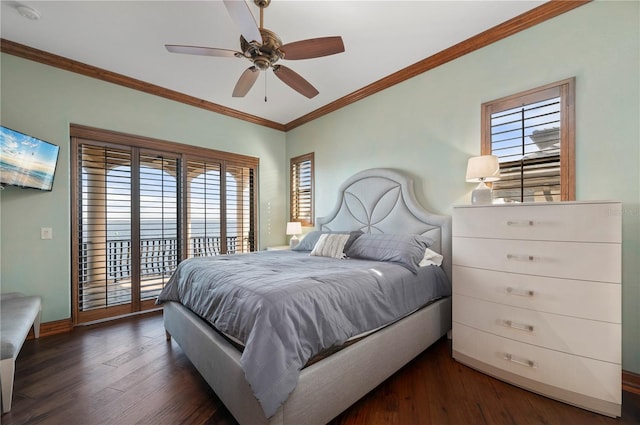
(294, 228)
(483, 168)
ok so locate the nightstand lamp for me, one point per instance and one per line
(294, 228)
(482, 169)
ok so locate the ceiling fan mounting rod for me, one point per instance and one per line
(262, 4)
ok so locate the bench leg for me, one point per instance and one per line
(7, 369)
(36, 324)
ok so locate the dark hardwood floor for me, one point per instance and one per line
(126, 372)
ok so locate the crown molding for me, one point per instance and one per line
(522, 22)
(26, 52)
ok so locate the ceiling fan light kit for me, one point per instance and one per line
(265, 49)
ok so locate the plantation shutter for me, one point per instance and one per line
(159, 221)
(204, 206)
(531, 135)
(240, 206)
(221, 208)
(301, 196)
(104, 234)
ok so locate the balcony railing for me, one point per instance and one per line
(106, 281)
(158, 256)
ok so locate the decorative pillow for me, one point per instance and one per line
(330, 245)
(310, 239)
(431, 258)
(406, 250)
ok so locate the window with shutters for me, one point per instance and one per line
(533, 135)
(301, 196)
(141, 208)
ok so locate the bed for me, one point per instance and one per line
(375, 202)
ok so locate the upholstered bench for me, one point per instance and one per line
(17, 313)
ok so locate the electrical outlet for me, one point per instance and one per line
(46, 233)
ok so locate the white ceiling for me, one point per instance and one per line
(128, 37)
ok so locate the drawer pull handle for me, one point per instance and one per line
(520, 223)
(520, 257)
(523, 362)
(519, 326)
(520, 292)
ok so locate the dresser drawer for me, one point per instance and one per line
(593, 378)
(579, 222)
(574, 260)
(577, 298)
(587, 338)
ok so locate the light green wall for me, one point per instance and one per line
(430, 125)
(42, 101)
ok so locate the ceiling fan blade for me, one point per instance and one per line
(313, 48)
(295, 81)
(243, 18)
(201, 51)
(246, 81)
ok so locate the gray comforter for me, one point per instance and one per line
(287, 306)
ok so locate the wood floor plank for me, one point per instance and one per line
(126, 372)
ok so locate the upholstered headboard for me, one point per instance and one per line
(382, 200)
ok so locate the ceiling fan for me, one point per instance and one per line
(264, 49)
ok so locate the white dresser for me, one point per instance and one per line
(537, 298)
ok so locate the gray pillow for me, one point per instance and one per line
(406, 250)
(309, 241)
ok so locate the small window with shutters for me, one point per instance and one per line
(533, 135)
(302, 189)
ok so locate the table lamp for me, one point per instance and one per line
(482, 169)
(294, 228)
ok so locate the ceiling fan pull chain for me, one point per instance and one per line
(265, 87)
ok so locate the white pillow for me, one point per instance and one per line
(330, 245)
(431, 258)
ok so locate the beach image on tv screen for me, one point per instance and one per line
(27, 161)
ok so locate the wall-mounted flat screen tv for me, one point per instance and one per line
(26, 161)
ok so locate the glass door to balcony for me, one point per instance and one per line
(142, 206)
(128, 229)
